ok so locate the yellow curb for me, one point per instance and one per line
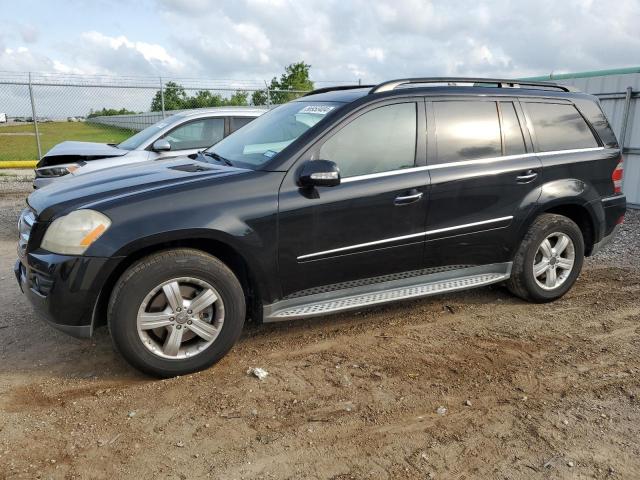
(18, 164)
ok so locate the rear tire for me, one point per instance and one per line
(176, 312)
(549, 259)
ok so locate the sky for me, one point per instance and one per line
(343, 40)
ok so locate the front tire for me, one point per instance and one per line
(176, 312)
(548, 260)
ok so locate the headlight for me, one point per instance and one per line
(56, 171)
(73, 233)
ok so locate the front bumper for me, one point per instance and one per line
(64, 289)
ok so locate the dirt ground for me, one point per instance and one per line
(530, 391)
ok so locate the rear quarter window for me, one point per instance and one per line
(237, 123)
(559, 127)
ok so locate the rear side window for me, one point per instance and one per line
(559, 127)
(466, 130)
(378, 141)
(511, 130)
(592, 111)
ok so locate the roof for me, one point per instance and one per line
(439, 85)
(587, 74)
(347, 96)
(344, 96)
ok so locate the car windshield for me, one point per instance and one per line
(142, 136)
(261, 140)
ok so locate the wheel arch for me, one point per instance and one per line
(251, 280)
(578, 211)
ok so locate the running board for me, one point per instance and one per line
(385, 292)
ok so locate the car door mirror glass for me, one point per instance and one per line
(320, 173)
(161, 145)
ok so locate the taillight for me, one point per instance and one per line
(616, 176)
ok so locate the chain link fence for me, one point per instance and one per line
(39, 110)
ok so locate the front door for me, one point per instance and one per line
(371, 224)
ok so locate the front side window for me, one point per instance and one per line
(559, 127)
(139, 139)
(197, 134)
(466, 130)
(262, 139)
(378, 141)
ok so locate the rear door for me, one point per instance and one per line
(485, 178)
(372, 224)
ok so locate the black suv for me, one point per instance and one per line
(342, 199)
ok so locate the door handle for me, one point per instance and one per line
(410, 197)
(526, 177)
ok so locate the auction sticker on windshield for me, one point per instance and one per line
(317, 109)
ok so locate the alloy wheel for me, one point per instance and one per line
(554, 260)
(180, 318)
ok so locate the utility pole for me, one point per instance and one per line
(35, 118)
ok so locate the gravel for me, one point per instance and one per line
(624, 251)
(64, 402)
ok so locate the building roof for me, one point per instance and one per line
(587, 74)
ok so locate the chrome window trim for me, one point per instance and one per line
(571, 150)
(478, 161)
(481, 161)
(404, 237)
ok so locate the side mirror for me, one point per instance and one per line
(320, 173)
(161, 145)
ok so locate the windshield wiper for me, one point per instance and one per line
(217, 157)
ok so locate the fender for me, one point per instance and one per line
(210, 239)
(565, 192)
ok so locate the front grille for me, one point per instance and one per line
(25, 222)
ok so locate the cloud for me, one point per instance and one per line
(29, 34)
(110, 54)
(381, 39)
(22, 59)
(376, 54)
(372, 40)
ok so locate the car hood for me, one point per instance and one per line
(110, 184)
(70, 151)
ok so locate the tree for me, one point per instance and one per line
(240, 98)
(105, 112)
(295, 77)
(176, 98)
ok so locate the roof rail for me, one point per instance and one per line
(500, 83)
(337, 87)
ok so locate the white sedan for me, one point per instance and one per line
(180, 134)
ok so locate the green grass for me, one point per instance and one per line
(23, 147)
